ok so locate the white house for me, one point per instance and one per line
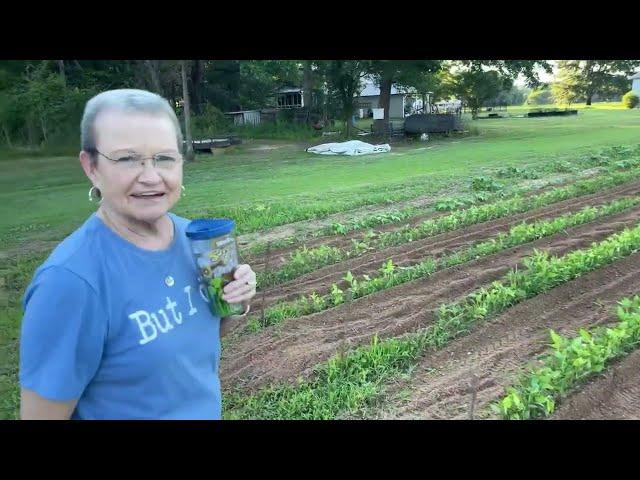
(635, 83)
(290, 98)
(370, 96)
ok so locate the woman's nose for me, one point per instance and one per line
(149, 173)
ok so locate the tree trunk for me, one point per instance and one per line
(325, 101)
(61, 71)
(6, 136)
(43, 125)
(187, 114)
(197, 79)
(348, 97)
(31, 131)
(589, 96)
(307, 86)
(141, 75)
(384, 102)
(154, 74)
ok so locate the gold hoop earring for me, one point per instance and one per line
(94, 192)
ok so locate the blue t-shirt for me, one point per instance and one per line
(126, 331)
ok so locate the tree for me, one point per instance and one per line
(61, 71)
(540, 96)
(100, 75)
(510, 68)
(344, 79)
(153, 66)
(476, 82)
(187, 113)
(406, 73)
(197, 83)
(260, 79)
(38, 105)
(567, 86)
(600, 76)
(307, 82)
(6, 115)
(476, 87)
(513, 96)
(43, 98)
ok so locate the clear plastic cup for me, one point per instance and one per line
(214, 247)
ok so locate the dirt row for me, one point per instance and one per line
(292, 349)
(306, 228)
(614, 395)
(477, 368)
(320, 280)
(279, 256)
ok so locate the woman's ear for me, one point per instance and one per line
(88, 166)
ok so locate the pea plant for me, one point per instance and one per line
(570, 363)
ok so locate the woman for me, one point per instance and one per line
(115, 325)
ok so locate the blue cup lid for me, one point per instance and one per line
(206, 228)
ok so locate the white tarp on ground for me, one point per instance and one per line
(352, 147)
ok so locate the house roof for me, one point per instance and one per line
(290, 90)
(240, 111)
(634, 77)
(372, 90)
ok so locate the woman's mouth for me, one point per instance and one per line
(148, 195)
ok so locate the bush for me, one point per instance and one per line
(286, 116)
(630, 100)
(540, 96)
(479, 184)
(277, 131)
(41, 112)
(212, 121)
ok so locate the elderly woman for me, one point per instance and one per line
(115, 325)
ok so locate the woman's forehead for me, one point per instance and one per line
(117, 130)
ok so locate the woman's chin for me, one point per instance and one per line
(149, 214)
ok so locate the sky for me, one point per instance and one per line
(542, 75)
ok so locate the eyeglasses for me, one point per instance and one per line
(132, 160)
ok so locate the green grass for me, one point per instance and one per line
(9, 390)
(16, 274)
(575, 106)
(53, 190)
(43, 195)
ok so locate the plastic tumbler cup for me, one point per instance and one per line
(214, 247)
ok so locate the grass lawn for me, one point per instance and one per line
(266, 183)
(49, 193)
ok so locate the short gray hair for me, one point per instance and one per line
(124, 100)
